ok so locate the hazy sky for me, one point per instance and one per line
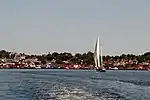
(40, 26)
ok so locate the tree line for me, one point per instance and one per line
(78, 58)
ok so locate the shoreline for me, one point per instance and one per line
(73, 69)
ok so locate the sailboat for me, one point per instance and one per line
(98, 57)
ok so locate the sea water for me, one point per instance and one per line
(51, 84)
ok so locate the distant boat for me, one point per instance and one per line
(115, 68)
(38, 67)
(98, 57)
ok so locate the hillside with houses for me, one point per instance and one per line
(66, 60)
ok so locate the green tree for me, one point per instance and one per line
(89, 59)
(147, 55)
(49, 57)
(123, 56)
(4, 54)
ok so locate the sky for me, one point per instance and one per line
(42, 26)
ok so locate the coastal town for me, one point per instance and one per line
(68, 61)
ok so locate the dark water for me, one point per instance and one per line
(74, 85)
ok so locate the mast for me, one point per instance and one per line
(101, 55)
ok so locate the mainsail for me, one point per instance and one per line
(97, 55)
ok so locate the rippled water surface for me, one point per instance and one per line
(38, 84)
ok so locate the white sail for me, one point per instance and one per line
(101, 55)
(98, 55)
(95, 55)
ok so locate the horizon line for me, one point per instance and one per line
(73, 53)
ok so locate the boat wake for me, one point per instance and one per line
(135, 82)
(73, 85)
(59, 92)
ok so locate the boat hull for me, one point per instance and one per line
(100, 70)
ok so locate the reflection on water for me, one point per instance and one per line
(73, 85)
